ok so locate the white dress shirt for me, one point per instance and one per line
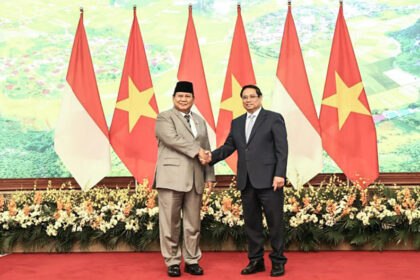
(192, 123)
(248, 118)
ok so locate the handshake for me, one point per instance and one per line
(204, 156)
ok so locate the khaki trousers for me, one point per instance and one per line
(170, 205)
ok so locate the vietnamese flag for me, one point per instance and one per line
(239, 74)
(191, 69)
(81, 134)
(347, 128)
(132, 132)
(293, 99)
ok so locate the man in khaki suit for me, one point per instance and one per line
(180, 180)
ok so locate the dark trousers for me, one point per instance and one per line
(254, 201)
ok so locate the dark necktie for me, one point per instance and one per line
(188, 117)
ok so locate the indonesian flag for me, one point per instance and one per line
(132, 132)
(293, 99)
(347, 128)
(81, 135)
(239, 73)
(191, 69)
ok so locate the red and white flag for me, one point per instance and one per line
(239, 74)
(81, 134)
(191, 69)
(132, 132)
(293, 99)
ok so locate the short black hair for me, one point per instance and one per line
(257, 89)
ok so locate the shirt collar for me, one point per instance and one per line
(183, 114)
(255, 113)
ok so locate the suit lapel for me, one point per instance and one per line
(183, 120)
(258, 122)
(242, 121)
(195, 119)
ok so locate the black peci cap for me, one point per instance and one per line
(184, 86)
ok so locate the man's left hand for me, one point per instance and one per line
(209, 185)
(278, 182)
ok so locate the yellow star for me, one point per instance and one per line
(346, 100)
(137, 104)
(234, 103)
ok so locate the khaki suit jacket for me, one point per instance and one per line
(178, 167)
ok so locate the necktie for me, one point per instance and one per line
(249, 126)
(187, 117)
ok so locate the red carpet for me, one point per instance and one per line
(217, 265)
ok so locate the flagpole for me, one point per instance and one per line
(135, 180)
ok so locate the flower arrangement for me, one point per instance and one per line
(327, 215)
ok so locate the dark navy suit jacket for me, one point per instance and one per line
(265, 154)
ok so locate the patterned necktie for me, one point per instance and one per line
(249, 127)
(188, 117)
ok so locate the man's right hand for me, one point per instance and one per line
(204, 156)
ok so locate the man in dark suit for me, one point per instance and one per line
(260, 138)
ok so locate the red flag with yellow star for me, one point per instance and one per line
(347, 128)
(239, 74)
(191, 69)
(132, 132)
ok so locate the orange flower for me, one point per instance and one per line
(409, 204)
(12, 207)
(38, 198)
(68, 208)
(227, 203)
(397, 209)
(151, 202)
(318, 209)
(350, 199)
(296, 207)
(236, 210)
(306, 201)
(2, 200)
(363, 197)
(96, 223)
(204, 208)
(292, 200)
(127, 209)
(26, 210)
(57, 215)
(331, 206)
(407, 193)
(88, 207)
(59, 205)
(346, 211)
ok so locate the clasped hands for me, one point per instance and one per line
(204, 156)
